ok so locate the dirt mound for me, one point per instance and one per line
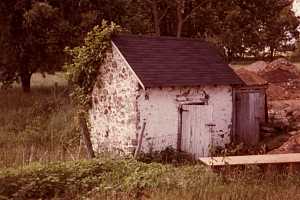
(283, 78)
(279, 71)
(291, 146)
(256, 66)
(275, 92)
(285, 114)
(250, 77)
(284, 91)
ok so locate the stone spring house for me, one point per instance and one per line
(179, 89)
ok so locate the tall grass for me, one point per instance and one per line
(38, 126)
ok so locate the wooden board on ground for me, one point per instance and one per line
(251, 159)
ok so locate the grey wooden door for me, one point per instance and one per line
(196, 134)
(250, 113)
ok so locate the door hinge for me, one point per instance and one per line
(183, 110)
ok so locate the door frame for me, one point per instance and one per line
(180, 111)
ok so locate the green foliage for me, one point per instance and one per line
(33, 41)
(82, 72)
(34, 33)
(108, 178)
(168, 156)
(254, 28)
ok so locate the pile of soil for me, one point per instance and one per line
(275, 92)
(279, 71)
(256, 66)
(282, 133)
(250, 77)
(290, 146)
(282, 77)
(285, 114)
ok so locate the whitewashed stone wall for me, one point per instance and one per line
(159, 109)
(120, 107)
(113, 116)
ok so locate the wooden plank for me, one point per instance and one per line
(140, 142)
(253, 129)
(243, 126)
(251, 159)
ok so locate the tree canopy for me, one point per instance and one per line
(34, 33)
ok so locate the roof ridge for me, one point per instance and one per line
(162, 37)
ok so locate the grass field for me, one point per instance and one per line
(38, 126)
(40, 158)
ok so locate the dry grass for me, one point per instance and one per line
(38, 80)
(38, 126)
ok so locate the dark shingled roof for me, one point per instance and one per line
(166, 61)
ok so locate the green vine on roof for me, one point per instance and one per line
(83, 70)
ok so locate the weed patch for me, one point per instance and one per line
(109, 178)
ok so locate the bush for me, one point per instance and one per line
(109, 178)
(71, 179)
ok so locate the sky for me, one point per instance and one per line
(296, 7)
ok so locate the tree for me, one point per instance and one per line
(159, 11)
(280, 31)
(184, 11)
(35, 32)
(34, 42)
(5, 75)
(254, 28)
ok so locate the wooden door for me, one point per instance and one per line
(250, 113)
(196, 134)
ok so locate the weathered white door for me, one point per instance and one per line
(196, 132)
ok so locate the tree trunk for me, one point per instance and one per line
(180, 20)
(25, 82)
(179, 29)
(156, 18)
(86, 136)
(272, 53)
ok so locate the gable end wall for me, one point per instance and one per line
(113, 115)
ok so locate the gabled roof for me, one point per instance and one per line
(165, 61)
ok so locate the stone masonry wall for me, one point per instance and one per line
(113, 115)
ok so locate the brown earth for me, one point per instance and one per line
(280, 68)
(282, 77)
(283, 94)
(250, 77)
(290, 146)
(256, 66)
